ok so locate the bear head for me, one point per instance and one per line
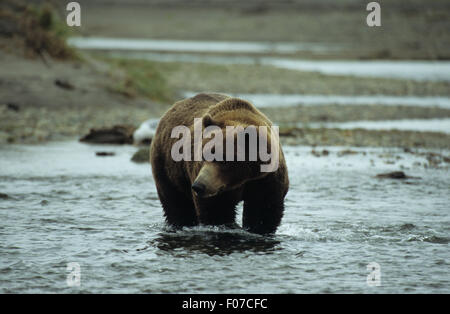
(237, 146)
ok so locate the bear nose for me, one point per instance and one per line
(199, 188)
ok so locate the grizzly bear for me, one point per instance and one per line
(200, 191)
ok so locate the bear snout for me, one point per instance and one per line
(199, 188)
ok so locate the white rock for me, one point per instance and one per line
(146, 131)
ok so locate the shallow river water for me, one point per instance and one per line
(187, 51)
(61, 204)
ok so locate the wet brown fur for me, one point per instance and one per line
(263, 196)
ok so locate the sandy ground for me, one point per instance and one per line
(42, 102)
(367, 138)
(344, 113)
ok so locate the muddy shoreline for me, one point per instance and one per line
(67, 99)
(35, 125)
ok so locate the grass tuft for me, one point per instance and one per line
(142, 78)
(38, 27)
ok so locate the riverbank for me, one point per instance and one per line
(256, 78)
(36, 125)
(64, 99)
(44, 99)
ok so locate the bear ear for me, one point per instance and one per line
(208, 120)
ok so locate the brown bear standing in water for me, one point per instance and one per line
(207, 192)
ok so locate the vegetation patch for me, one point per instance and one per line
(142, 78)
(36, 27)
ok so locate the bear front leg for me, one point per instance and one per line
(217, 210)
(263, 206)
(178, 209)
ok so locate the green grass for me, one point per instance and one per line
(39, 27)
(142, 78)
(57, 31)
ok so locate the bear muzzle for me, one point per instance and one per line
(209, 181)
(203, 191)
(199, 189)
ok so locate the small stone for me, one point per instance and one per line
(64, 84)
(347, 152)
(105, 154)
(13, 107)
(395, 175)
(142, 155)
(392, 175)
(118, 134)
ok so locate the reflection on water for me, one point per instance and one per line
(213, 242)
